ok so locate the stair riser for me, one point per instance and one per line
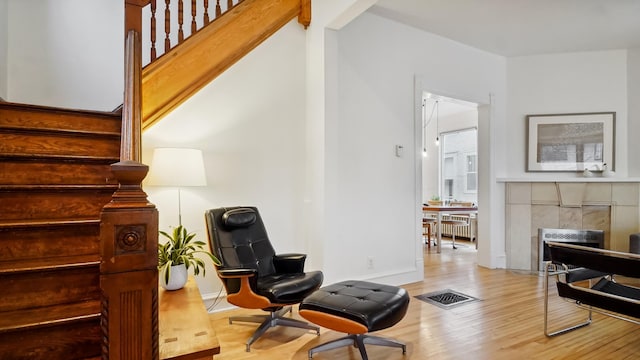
(30, 244)
(53, 204)
(28, 117)
(15, 172)
(58, 144)
(78, 340)
(34, 289)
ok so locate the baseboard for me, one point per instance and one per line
(396, 278)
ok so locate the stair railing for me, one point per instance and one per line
(166, 22)
(168, 26)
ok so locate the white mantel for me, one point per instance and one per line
(595, 179)
(609, 204)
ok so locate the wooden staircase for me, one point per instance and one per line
(55, 179)
(78, 238)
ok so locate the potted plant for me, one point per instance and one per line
(435, 201)
(177, 255)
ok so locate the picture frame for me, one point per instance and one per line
(571, 142)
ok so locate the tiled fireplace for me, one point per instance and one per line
(609, 206)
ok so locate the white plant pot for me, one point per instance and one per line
(177, 278)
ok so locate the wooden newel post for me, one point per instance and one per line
(128, 269)
(129, 228)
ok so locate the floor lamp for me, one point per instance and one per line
(177, 167)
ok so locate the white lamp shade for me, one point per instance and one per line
(177, 167)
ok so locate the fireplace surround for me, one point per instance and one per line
(610, 205)
(591, 238)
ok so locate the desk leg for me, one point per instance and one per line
(439, 232)
(473, 227)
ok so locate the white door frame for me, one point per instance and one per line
(484, 188)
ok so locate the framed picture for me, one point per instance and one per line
(571, 142)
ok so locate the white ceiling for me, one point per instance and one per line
(523, 27)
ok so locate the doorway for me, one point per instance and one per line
(449, 149)
(449, 153)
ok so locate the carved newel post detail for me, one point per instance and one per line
(128, 270)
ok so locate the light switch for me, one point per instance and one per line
(399, 150)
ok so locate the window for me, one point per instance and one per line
(448, 188)
(448, 175)
(471, 176)
(459, 175)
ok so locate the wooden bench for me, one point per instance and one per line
(185, 329)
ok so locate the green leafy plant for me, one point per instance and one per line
(435, 198)
(181, 249)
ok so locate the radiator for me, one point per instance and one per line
(461, 231)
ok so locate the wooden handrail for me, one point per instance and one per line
(169, 29)
(236, 28)
(172, 79)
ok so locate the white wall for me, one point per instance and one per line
(321, 99)
(250, 125)
(66, 53)
(373, 196)
(4, 38)
(565, 83)
(633, 88)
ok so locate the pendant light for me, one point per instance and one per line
(424, 128)
(437, 125)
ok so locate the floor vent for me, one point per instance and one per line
(446, 299)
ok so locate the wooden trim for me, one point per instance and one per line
(130, 315)
(131, 147)
(305, 13)
(183, 71)
(44, 109)
(133, 15)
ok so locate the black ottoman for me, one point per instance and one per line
(356, 308)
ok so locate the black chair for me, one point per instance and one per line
(253, 275)
(607, 296)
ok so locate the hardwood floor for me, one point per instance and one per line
(505, 323)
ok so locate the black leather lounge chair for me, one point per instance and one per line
(253, 275)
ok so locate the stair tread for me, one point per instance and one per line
(99, 187)
(67, 132)
(45, 108)
(49, 263)
(35, 157)
(47, 316)
(9, 224)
